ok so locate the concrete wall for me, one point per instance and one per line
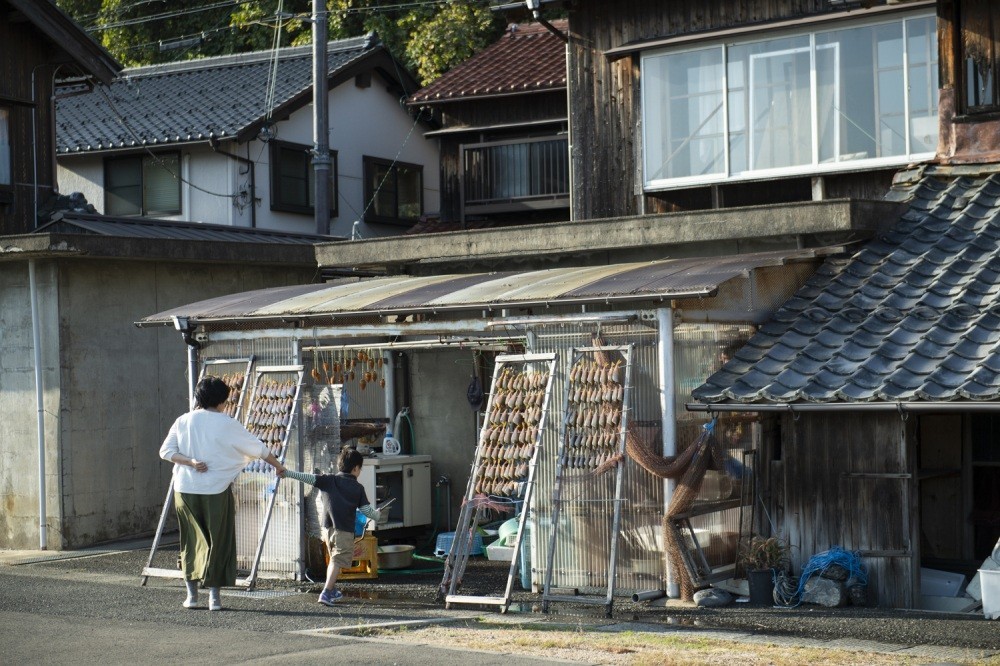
(18, 415)
(112, 391)
(444, 424)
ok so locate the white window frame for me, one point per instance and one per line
(813, 168)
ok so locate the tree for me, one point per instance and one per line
(427, 37)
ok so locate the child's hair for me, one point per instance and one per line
(349, 459)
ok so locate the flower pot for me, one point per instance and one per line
(761, 584)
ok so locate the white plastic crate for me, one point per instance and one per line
(499, 553)
(940, 583)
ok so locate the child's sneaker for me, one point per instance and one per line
(328, 598)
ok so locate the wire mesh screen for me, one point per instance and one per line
(582, 548)
(581, 559)
(361, 374)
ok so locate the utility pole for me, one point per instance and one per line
(321, 121)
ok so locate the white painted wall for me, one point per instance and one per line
(363, 122)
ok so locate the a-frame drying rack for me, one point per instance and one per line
(503, 472)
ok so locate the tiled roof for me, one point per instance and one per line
(526, 59)
(197, 100)
(137, 227)
(913, 316)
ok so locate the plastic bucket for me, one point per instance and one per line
(989, 579)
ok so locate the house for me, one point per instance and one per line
(503, 134)
(227, 140)
(737, 128)
(38, 42)
(879, 378)
(679, 167)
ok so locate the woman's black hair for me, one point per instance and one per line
(210, 392)
(349, 459)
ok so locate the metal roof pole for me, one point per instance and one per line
(321, 122)
(668, 411)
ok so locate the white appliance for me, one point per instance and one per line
(407, 478)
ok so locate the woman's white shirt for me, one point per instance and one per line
(216, 439)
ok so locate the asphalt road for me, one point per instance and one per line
(93, 610)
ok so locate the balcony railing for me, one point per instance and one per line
(515, 175)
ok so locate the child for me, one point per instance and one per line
(342, 496)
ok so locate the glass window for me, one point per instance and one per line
(683, 112)
(812, 101)
(6, 177)
(979, 22)
(395, 191)
(142, 185)
(292, 179)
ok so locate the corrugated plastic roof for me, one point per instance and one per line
(912, 316)
(196, 100)
(671, 278)
(527, 59)
(131, 227)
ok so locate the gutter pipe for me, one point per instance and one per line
(36, 339)
(668, 411)
(900, 407)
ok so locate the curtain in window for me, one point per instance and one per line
(161, 188)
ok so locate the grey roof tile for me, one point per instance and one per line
(195, 100)
(913, 315)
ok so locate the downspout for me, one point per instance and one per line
(668, 410)
(186, 330)
(214, 143)
(36, 338)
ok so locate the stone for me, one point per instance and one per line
(824, 592)
(858, 595)
(835, 572)
(712, 598)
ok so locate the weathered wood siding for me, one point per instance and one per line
(606, 137)
(26, 56)
(848, 481)
(484, 113)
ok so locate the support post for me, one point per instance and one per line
(668, 411)
(321, 121)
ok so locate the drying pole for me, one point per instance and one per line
(321, 121)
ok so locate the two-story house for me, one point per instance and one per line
(503, 135)
(228, 140)
(39, 44)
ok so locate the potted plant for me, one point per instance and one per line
(762, 557)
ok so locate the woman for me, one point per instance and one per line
(209, 449)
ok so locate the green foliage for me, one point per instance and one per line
(428, 38)
(442, 39)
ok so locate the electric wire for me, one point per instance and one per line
(159, 161)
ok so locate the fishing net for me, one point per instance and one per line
(689, 468)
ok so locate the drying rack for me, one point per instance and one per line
(510, 436)
(592, 434)
(242, 368)
(265, 377)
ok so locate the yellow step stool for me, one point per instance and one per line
(365, 564)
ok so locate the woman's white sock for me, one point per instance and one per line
(192, 593)
(214, 598)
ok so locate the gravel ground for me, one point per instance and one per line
(393, 594)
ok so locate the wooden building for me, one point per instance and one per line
(881, 414)
(711, 126)
(38, 44)
(503, 135)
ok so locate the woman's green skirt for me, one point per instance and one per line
(208, 537)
